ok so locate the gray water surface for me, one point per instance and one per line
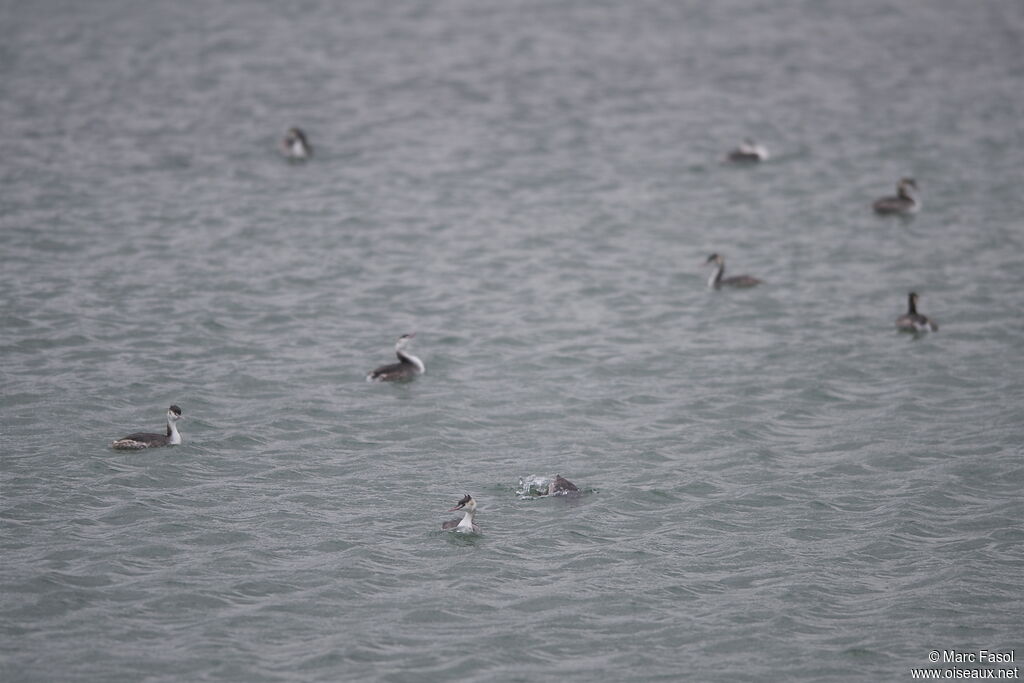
(777, 484)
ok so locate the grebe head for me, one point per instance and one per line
(716, 259)
(294, 145)
(907, 187)
(173, 414)
(749, 146)
(467, 503)
(404, 341)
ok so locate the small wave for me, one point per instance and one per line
(536, 486)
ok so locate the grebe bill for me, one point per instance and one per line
(906, 201)
(912, 321)
(140, 440)
(465, 525)
(407, 367)
(716, 280)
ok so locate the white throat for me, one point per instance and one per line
(467, 520)
(757, 150)
(909, 193)
(715, 274)
(175, 436)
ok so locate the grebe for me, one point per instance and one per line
(913, 321)
(295, 146)
(716, 280)
(465, 525)
(407, 367)
(748, 151)
(905, 202)
(140, 440)
(561, 487)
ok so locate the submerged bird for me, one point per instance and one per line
(140, 440)
(561, 487)
(407, 367)
(466, 524)
(295, 146)
(747, 151)
(716, 280)
(912, 321)
(905, 202)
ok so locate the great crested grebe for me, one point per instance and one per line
(912, 321)
(140, 440)
(561, 486)
(407, 367)
(294, 145)
(465, 525)
(716, 280)
(747, 152)
(905, 202)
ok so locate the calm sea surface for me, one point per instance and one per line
(777, 485)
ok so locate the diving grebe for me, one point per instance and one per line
(139, 440)
(748, 151)
(295, 146)
(716, 280)
(912, 321)
(407, 367)
(905, 202)
(561, 487)
(466, 524)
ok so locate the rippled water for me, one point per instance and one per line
(776, 484)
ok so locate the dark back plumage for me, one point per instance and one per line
(561, 486)
(139, 440)
(407, 367)
(717, 280)
(905, 201)
(912, 321)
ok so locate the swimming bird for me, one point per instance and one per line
(295, 146)
(561, 487)
(905, 202)
(748, 152)
(407, 367)
(465, 525)
(716, 280)
(912, 321)
(140, 440)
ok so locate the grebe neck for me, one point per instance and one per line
(172, 433)
(467, 520)
(909, 193)
(716, 276)
(406, 357)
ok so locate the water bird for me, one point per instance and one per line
(716, 280)
(748, 151)
(465, 525)
(561, 486)
(912, 321)
(407, 367)
(140, 440)
(905, 202)
(295, 146)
